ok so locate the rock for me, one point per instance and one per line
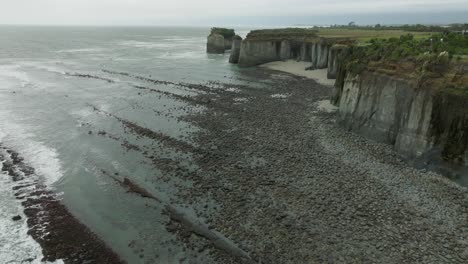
(334, 58)
(215, 44)
(228, 43)
(322, 55)
(258, 52)
(16, 218)
(306, 52)
(415, 121)
(285, 52)
(235, 50)
(314, 55)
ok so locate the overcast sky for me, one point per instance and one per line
(232, 12)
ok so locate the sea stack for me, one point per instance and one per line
(235, 50)
(219, 40)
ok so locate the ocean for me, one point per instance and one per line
(64, 92)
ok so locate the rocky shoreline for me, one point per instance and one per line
(294, 187)
(273, 180)
(61, 236)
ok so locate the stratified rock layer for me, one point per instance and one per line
(256, 52)
(334, 59)
(424, 122)
(235, 50)
(215, 44)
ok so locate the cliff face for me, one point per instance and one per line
(220, 40)
(235, 51)
(334, 58)
(426, 124)
(258, 52)
(227, 43)
(215, 44)
(322, 55)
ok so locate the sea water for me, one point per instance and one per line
(52, 80)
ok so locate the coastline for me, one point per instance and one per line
(62, 237)
(298, 68)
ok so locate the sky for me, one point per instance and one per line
(231, 12)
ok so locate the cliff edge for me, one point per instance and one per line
(414, 99)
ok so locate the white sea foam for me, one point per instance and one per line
(182, 55)
(14, 72)
(146, 44)
(16, 246)
(80, 50)
(19, 136)
(46, 66)
(42, 158)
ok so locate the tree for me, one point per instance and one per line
(352, 24)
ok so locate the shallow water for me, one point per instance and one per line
(56, 86)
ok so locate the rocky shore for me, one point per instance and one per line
(273, 179)
(276, 180)
(62, 237)
(296, 188)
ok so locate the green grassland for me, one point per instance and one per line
(364, 35)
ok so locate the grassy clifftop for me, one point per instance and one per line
(352, 34)
(407, 56)
(282, 33)
(227, 33)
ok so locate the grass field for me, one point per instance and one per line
(363, 35)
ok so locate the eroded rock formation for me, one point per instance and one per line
(220, 40)
(423, 119)
(334, 59)
(215, 44)
(235, 50)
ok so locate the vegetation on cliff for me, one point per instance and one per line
(282, 34)
(408, 56)
(225, 32)
(434, 63)
(407, 27)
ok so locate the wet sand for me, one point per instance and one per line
(298, 68)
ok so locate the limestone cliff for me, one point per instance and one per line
(263, 46)
(321, 51)
(334, 58)
(425, 119)
(255, 52)
(215, 44)
(220, 40)
(235, 49)
(227, 44)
